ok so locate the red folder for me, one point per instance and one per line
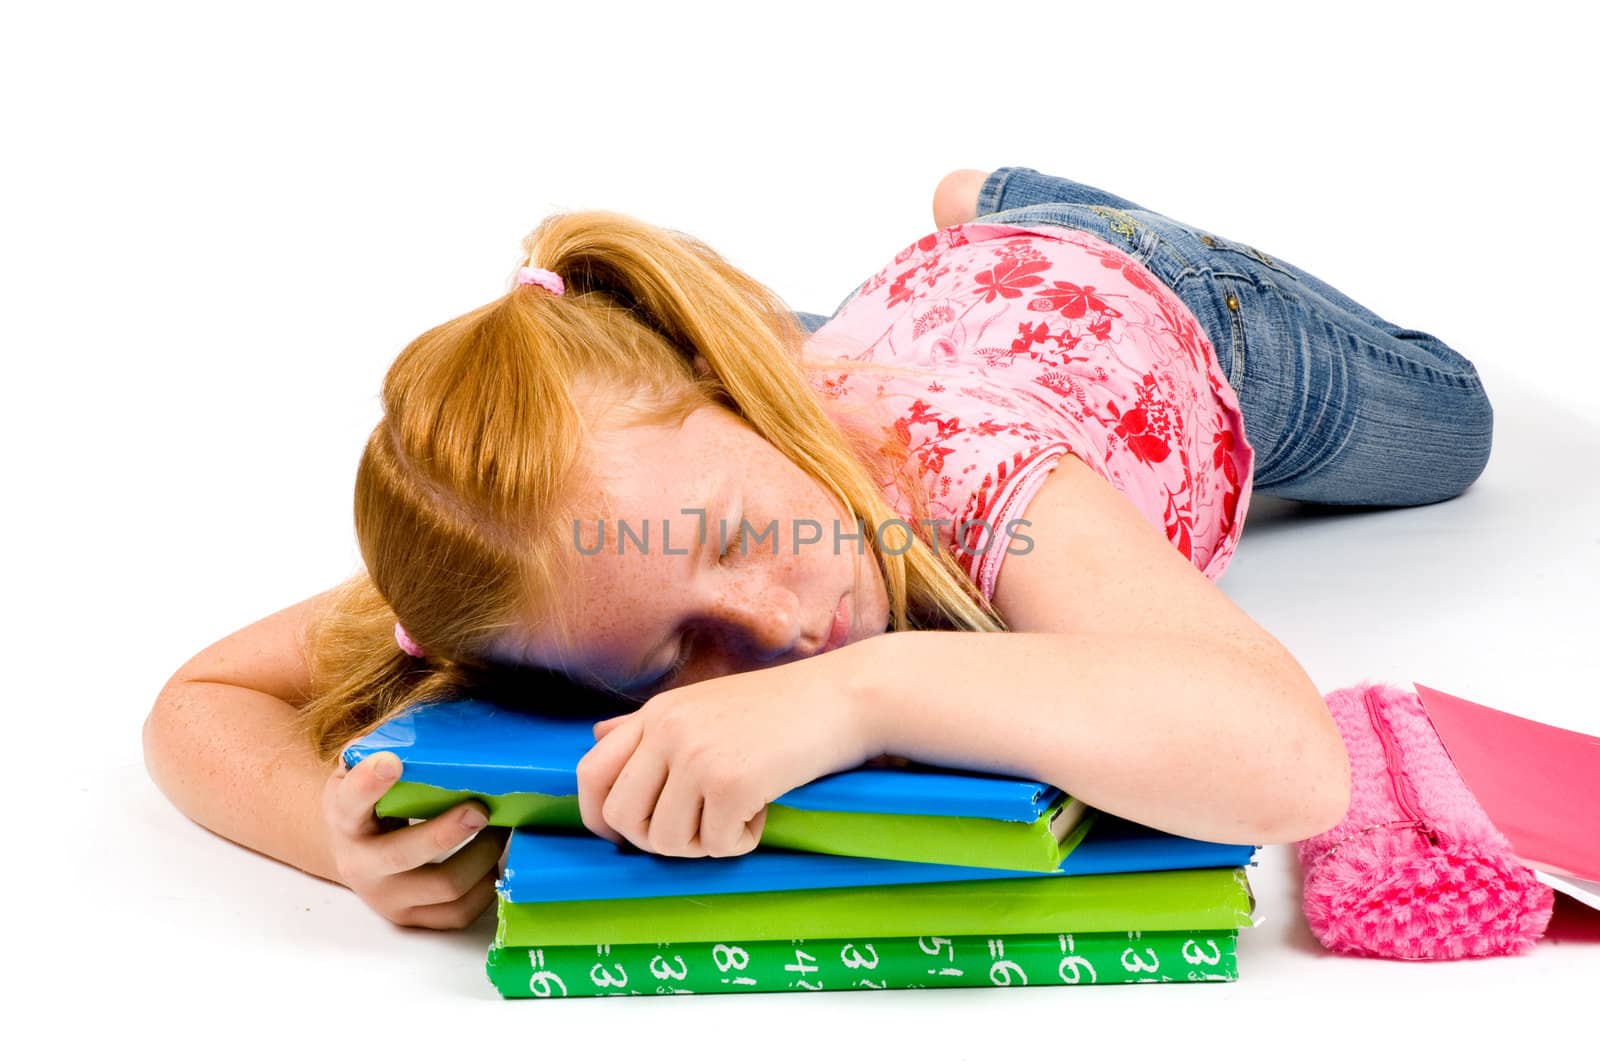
(1539, 784)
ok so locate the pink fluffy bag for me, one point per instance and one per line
(1416, 870)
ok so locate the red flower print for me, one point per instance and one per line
(1224, 442)
(1222, 458)
(1009, 278)
(1049, 326)
(1137, 277)
(934, 318)
(1146, 428)
(1066, 342)
(834, 387)
(920, 415)
(899, 291)
(1072, 301)
(1145, 445)
(1062, 385)
(1180, 527)
(929, 454)
(932, 456)
(1028, 334)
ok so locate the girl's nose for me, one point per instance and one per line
(766, 620)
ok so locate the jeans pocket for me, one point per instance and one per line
(1253, 329)
(1235, 258)
(1219, 303)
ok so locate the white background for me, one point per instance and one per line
(221, 222)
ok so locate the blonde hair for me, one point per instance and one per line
(467, 485)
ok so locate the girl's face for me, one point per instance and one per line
(753, 582)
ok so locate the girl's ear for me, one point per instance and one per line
(702, 368)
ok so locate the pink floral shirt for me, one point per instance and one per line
(1042, 340)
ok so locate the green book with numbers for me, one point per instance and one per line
(865, 963)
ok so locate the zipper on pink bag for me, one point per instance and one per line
(1404, 794)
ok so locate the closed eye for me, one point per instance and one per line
(734, 544)
(681, 661)
(678, 664)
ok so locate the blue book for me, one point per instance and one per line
(523, 767)
(544, 866)
(475, 745)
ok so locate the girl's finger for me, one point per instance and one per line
(453, 915)
(351, 798)
(675, 822)
(602, 728)
(727, 832)
(632, 801)
(597, 771)
(399, 851)
(435, 884)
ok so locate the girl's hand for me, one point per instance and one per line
(388, 867)
(690, 773)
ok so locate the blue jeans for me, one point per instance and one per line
(1342, 407)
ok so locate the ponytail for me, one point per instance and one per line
(468, 484)
(360, 677)
(356, 679)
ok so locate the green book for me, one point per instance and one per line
(1173, 900)
(1037, 846)
(865, 963)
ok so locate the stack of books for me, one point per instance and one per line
(883, 877)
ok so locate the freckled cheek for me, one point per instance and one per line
(629, 610)
(789, 570)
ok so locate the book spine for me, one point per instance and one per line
(999, 844)
(1140, 901)
(957, 840)
(753, 967)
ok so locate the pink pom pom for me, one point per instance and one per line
(1416, 870)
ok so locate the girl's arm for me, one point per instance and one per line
(1128, 680)
(1187, 736)
(222, 744)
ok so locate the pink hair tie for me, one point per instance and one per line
(405, 642)
(542, 278)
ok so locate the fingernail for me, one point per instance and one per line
(386, 768)
(473, 820)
